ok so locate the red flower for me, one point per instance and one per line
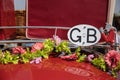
(18, 49)
(37, 46)
(112, 58)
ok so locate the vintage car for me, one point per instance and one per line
(45, 18)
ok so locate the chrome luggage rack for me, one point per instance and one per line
(32, 27)
(27, 40)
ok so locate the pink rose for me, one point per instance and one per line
(37, 46)
(36, 61)
(90, 57)
(18, 50)
(57, 40)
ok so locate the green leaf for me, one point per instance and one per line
(99, 63)
(45, 56)
(15, 61)
(48, 46)
(25, 60)
(81, 58)
(77, 51)
(63, 47)
(114, 73)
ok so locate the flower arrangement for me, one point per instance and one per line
(110, 62)
(33, 54)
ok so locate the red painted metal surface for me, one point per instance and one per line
(65, 13)
(7, 18)
(53, 69)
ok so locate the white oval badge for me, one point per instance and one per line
(84, 35)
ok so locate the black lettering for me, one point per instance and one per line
(79, 37)
(91, 35)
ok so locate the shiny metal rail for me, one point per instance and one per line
(33, 27)
(20, 41)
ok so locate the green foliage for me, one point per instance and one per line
(99, 63)
(8, 58)
(26, 57)
(115, 70)
(77, 51)
(63, 47)
(48, 46)
(15, 59)
(81, 58)
(45, 54)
